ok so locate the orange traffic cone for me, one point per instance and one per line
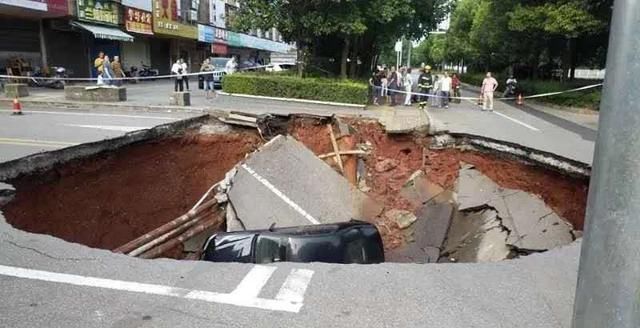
(520, 100)
(17, 108)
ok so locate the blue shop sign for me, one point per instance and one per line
(206, 33)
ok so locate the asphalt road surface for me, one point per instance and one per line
(47, 282)
(43, 129)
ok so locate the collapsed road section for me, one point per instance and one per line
(163, 192)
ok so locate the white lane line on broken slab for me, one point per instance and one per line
(121, 128)
(252, 283)
(279, 193)
(517, 121)
(295, 286)
(152, 289)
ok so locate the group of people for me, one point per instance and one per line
(180, 70)
(109, 71)
(397, 86)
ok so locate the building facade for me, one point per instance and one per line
(37, 34)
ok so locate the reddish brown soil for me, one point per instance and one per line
(385, 185)
(565, 195)
(111, 199)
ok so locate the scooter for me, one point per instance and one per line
(511, 90)
(57, 81)
(148, 71)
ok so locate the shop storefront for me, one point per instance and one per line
(139, 23)
(182, 37)
(219, 48)
(206, 36)
(22, 33)
(98, 20)
(253, 50)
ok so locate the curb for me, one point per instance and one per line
(101, 106)
(306, 101)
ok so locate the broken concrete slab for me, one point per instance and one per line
(435, 220)
(419, 190)
(285, 183)
(402, 218)
(476, 190)
(536, 226)
(476, 237)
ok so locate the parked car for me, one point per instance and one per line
(219, 64)
(348, 242)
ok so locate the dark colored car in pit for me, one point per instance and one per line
(348, 242)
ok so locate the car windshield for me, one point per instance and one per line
(219, 62)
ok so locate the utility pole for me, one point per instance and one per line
(409, 56)
(608, 290)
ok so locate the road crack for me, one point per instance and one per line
(39, 252)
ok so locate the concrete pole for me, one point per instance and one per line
(608, 290)
(409, 56)
(43, 46)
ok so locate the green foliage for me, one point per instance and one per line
(287, 86)
(582, 99)
(497, 34)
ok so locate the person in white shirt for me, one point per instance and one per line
(408, 86)
(445, 89)
(231, 65)
(185, 70)
(176, 69)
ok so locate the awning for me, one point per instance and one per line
(103, 32)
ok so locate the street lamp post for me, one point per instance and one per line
(608, 290)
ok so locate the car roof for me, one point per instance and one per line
(302, 230)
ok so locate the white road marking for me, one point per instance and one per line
(279, 193)
(518, 122)
(252, 283)
(121, 128)
(35, 143)
(166, 118)
(161, 290)
(511, 119)
(295, 286)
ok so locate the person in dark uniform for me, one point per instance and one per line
(425, 83)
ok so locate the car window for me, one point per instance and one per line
(355, 251)
(270, 249)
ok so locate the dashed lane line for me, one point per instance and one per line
(289, 298)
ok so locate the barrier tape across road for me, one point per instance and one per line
(390, 91)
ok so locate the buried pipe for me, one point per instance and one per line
(155, 242)
(173, 243)
(128, 247)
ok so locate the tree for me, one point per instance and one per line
(569, 20)
(359, 25)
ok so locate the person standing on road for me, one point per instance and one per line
(118, 73)
(435, 91)
(425, 83)
(384, 84)
(408, 87)
(455, 87)
(208, 77)
(185, 71)
(98, 64)
(393, 85)
(445, 89)
(176, 70)
(489, 86)
(231, 66)
(107, 71)
(376, 86)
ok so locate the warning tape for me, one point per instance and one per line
(156, 77)
(430, 95)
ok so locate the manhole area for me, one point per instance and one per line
(107, 200)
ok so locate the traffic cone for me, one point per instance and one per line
(520, 100)
(17, 108)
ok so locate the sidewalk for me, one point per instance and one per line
(154, 96)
